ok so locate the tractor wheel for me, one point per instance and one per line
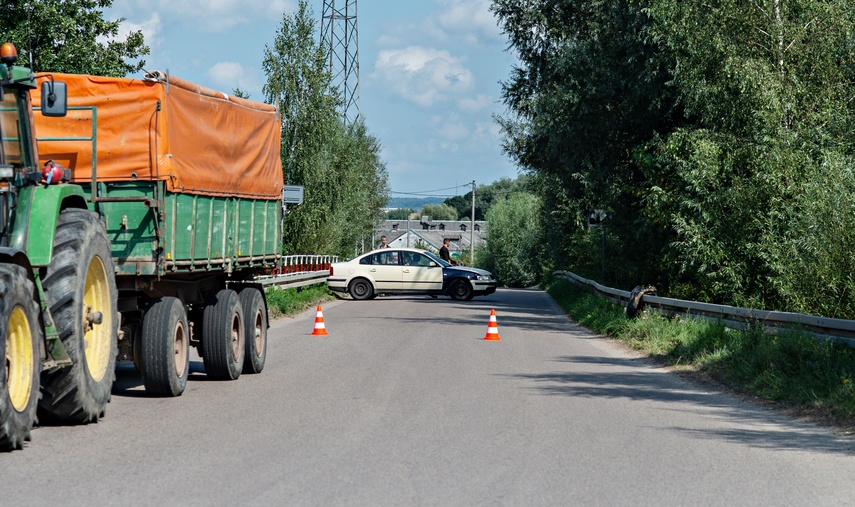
(223, 336)
(165, 347)
(20, 337)
(80, 290)
(255, 329)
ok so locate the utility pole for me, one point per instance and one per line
(472, 230)
(340, 34)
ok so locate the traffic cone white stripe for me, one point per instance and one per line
(492, 328)
(319, 329)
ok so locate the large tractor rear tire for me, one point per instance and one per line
(255, 329)
(223, 336)
(80, 289)
(165, 348)
(20, 336)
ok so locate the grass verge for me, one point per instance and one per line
(794, 370)
(288, 302)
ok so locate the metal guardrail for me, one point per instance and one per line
(823, 328)
(299, 271)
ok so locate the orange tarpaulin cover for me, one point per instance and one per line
(197, 140)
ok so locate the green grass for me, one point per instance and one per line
(793, 369)
(282, 302)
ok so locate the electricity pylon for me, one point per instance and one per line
(340, 34)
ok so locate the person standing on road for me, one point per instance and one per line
(383, 243)
(444, 254)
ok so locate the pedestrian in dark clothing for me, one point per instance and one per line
(444, 253)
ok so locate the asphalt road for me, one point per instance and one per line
(403, 403)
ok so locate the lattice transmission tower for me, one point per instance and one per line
(339, 32)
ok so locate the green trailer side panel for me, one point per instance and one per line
(132, 227)
(188, 232)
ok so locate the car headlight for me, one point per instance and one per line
(484, 278)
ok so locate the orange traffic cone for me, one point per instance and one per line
(492, 328)
(320, 329)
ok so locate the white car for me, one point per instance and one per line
(408, 271)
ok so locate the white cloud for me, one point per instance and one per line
(468, 17)
(473, 104)
(424, 76)
(230, 75)
(209, 15)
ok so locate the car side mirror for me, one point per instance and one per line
(433, 264)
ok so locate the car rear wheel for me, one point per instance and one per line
(361, 289)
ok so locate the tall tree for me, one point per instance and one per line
(71, 36)
(344, 180)
(514, 252)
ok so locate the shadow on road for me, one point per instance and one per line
(129, 383)
(737, 421)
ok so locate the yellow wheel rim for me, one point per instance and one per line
(19, 359)
(97, 338)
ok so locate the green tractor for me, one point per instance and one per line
(58, 298)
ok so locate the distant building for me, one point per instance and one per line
(401, 233)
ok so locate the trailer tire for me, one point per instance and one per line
(80, 291)
(223, 336)
(165, 347)
(255, 329)
(20, 339)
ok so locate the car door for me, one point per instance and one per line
(385, 269)
(419, 275)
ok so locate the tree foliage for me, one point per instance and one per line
(513, 251)
(704, 128)
(439, 212)
(71, 36)
(345, 182)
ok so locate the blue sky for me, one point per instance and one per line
(429, 74)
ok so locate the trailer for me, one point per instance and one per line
(135, 216)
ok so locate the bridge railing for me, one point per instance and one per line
(823, 328)
(299, 271)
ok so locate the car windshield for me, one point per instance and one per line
(436, 259)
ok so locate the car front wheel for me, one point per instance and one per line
(460, 290)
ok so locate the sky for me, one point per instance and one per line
(430, 73)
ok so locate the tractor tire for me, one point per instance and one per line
(255, 329)
(223, 336)
(80, 291)
(20, 339)
(165, 348)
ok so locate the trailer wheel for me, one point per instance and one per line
(80, 290)
(165, 347)
(223, 336)
(255, 329)
(20, 336)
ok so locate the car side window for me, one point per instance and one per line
(367, 259)
(421, 260)
(386, 258)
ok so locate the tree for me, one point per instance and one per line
(439, 212)
(71, 36)
(701, 127)
(513, 251)
(399, 213)
(339, 166)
